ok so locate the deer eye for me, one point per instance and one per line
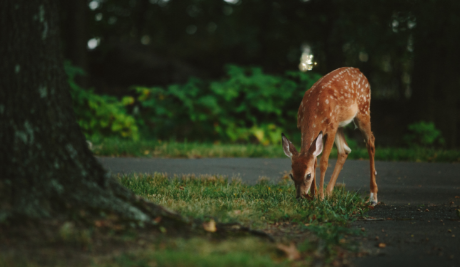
(292, 177)
(309, 176)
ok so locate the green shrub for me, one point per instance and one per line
(423, 134)
(248, 105)
(100, 115)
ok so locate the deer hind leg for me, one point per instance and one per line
(328, 143)
(343, 151)
(364, 124)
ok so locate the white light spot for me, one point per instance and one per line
(232, 1)
(93, 4)
(93, 43)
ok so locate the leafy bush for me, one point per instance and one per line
(423, 134)
(100, 115)
(248, 105)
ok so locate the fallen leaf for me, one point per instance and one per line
(157, 219)
(457, 196)
(210, 226)
(291, 251)
(382, 245)
(362, 229)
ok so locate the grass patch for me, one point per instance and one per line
(147, 148)
(233, 201)
(305, 232)
(200, 252)
(317, 228)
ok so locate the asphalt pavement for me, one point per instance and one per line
(415, 223)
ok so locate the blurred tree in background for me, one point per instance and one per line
(408, 49)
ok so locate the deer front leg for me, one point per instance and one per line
(324, 161)
(313, 189)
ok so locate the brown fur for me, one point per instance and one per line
(334, 100)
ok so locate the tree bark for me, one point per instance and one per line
(47, 169)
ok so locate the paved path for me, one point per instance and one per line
(417, 220)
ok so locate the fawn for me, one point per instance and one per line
(332, 102)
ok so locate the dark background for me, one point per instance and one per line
(407, 49)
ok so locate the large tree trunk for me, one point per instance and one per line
(46, 167)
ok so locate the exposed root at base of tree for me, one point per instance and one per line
(116, 208)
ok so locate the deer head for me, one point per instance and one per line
(303, 164)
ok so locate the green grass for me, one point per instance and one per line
(317, 227)
(200, 252)
(231, 201)
(149, 148)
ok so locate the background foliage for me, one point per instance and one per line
(247, 105)
(408, 49)
(100, 115)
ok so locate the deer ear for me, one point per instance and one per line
(317, 145)
(288, 147)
